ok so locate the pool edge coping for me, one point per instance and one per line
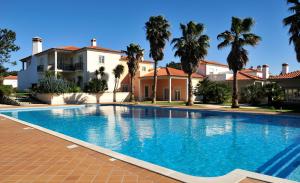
(234, 176)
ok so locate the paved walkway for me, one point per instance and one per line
(28, 155)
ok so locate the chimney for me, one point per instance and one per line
(36, 45)
(93, 42)
(259, 68)
(265, 71)
(285, 68)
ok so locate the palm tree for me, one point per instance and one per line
(157, 31)
(134, 54)
(238, 37)
(117, 71)
(293, 21)
(191, 48)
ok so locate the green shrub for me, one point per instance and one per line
(50, 84)
(274, 93)
(252, 94)
(6, 90)
(96, 85)
(220, 93)
(73, 88)
(212, 91)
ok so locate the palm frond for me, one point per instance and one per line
(250, 39)
(236, 25)
(247, 23)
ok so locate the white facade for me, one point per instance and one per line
(209, 68)
(74, 64)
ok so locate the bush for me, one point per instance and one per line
(6, 90)
(73, 88)
(96, 85)
(220, 93)
(50, 84)
(252, 94)
(274, 93)
(212, 91)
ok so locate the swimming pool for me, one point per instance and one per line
(198, 143)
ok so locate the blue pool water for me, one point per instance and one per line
(198, 143)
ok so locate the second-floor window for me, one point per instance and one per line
(101, 59)
(80, 59)
(144, 68)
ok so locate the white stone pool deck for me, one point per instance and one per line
(30, 155)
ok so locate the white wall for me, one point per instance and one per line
(215, 69)
(207, 69)
(111, 61)
(82, 98)
(12, 82)
(29, 76)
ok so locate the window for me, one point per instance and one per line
(101, 59)
(177, 94)
(80, 59)
(124, 87)
(146, 91)
(144, 68)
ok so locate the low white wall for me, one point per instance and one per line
(12, 82)
(81, 98)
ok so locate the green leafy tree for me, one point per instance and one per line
(7, 45)
(203, 89)
(237, 37)
(273, 92)
(191, 47)
(174, 65)
(157, 33)
(117, 71)
(134, 54)
(293, 22)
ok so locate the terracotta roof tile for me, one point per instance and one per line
(70, 48)
(245, 76)
(11, 77)
(251, 70)
(168, 71)
(290, 75)
(213, 63)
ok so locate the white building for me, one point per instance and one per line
(11, 80)
(72, 63)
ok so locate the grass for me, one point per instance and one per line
(175, 103)
(225, 107)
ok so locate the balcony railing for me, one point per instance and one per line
(66, 67)
(78, 66)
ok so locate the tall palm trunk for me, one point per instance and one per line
(115, 89)
(190, 90)
(154, 83)
(235, 101)
(132, 89)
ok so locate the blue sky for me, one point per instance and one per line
(117, 23)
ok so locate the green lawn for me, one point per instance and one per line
(225, 107)
(175, 103)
